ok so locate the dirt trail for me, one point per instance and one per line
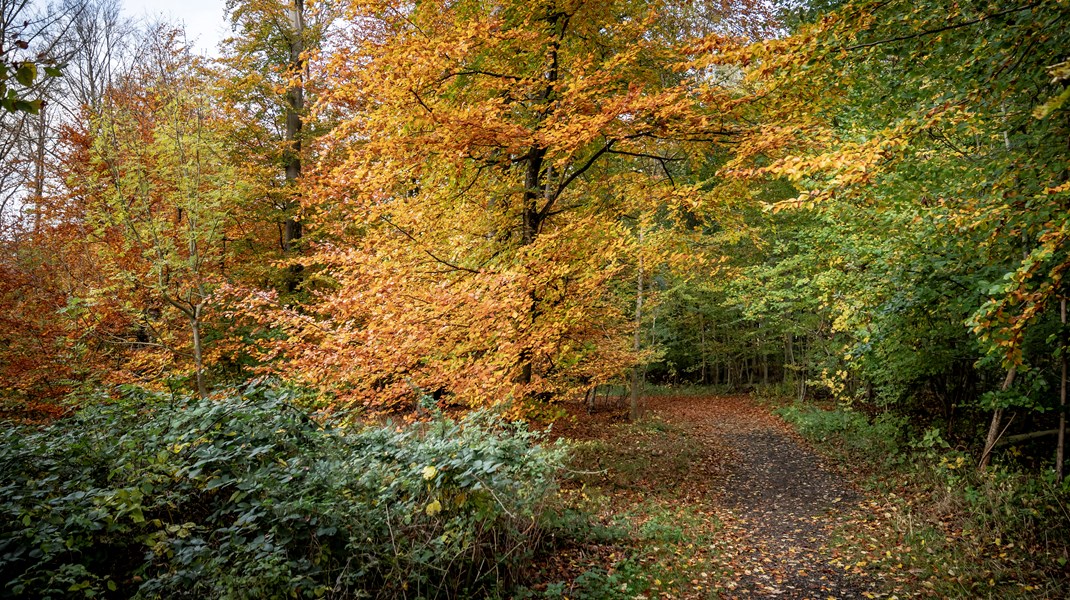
(778, 499)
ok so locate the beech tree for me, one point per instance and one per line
(471, 201)
(158, 197)
(269, 79)
(931, 138)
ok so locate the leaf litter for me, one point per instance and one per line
(705, 497)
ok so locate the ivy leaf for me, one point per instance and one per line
(28, 106)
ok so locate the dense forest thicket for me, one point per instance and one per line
(395, 208)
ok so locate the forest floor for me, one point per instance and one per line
(706, 497)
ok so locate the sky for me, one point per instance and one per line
(205, 25)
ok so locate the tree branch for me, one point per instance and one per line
(421, 101)
(1022, 437)
(644, 155)
(449, 76)
(942, 29)
(426, 251)
(568, 180)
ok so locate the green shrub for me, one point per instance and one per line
(848, 432)
(248, 497)
(1001, 530)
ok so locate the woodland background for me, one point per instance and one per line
(397, 208)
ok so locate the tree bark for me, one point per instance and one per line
(536, 184)
(997, 418)
(295, 105)
(1061, 444)
(198, 356)
(39, 170)
(1024, 437)
(530, 230)
(702, 346)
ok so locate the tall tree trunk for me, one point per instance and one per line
(702, 345)
(1061, 444)
(789, 355)
(633, 405)
(997, 419)
(39, 170)
(997, 413)
(198, 354)
(295, 105)
(533, 175)
(534, 180)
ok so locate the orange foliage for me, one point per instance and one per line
(480, 206)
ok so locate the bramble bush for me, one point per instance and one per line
(249, 497)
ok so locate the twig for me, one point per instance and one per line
(426, 251)
(941, 29)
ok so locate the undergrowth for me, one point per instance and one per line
(249, 497)
(942, 527)
(622, 532)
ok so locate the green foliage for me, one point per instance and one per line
(850, 433)
(957, 529)
(17, 80)
(249, 497)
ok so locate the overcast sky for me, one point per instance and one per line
(204, 20)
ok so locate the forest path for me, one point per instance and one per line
(777, 500)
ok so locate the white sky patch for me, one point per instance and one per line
(205, 20)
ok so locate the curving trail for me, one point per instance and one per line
(776, 498)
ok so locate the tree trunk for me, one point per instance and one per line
(198, 356)
(789, 355)
(1061, 444)
(635, 395)
(39, 170)
(531, 225)
(1025, 437)
(997, 418)
(702, 346)
(295, 105)
(800, 372)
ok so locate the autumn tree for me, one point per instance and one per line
(158, 197)
(474, 202)
(32, 49)
(269, 79)
(38, 350)
(931, 139)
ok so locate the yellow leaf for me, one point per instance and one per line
(433, 508)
